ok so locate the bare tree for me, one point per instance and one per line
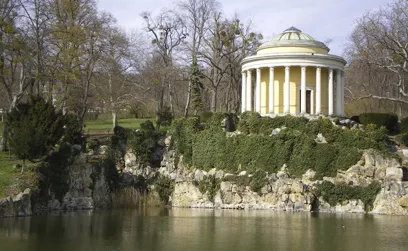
(196, 14)
(379, 48)
(168, 31)
(228, 42)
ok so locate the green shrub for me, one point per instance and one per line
(404, 125)
(388, 120)
(258, 181)
(35, 127)
(183, 131)
(165, 187)
(209, 185)
(294, 146)
(164, 117)
(341, 192)
(92, 144)
(204, 116)
(368, 194)
(143, 141)
(404, 139)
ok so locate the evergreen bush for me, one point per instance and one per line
(36, 127)
(256, 149)
(404, 125)
(388, 120)
(338, 193)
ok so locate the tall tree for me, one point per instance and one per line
(378, 51)
(76, 39)
(228, 42)
(196, 14)
(115, 69)
(168, 31)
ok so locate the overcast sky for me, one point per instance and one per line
(322, 19)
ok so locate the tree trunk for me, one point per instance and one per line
(188, 100)
(114, 119)
(214, 94)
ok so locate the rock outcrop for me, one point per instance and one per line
(19, 205)
(88, 188)
(282, 192)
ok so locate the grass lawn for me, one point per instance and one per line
(105, 126)
(12, 181)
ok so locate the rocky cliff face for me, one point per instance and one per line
(87, 186)
(88, 189)
(19, 205)
(280, 191)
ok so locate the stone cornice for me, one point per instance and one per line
(293, 59)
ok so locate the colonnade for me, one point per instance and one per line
(248, 95)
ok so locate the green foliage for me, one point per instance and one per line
(164, 117)
(143, 141)
(209, 185)
(110, 171)
(388, 120)
(205, 116)
(183, 130)
(196, 79)
(404, 125)
(258, 180)
(294, 146)
(165, 187)
(73, 130)
(404, 139)
(35, 127)
(338, 193)
(92, 144)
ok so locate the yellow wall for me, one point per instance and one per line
(295, 78)
(292, 49)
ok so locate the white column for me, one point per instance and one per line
(271, 90)
(286, 91)
(258, 91)
(342, 93)
(312, 102)
(338, 93)
(331, 112)
(318, 90)
(243, 93)
(249, 91)
(303, 89)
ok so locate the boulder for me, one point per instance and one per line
(393, 173)
(309, 175)
(20, 205)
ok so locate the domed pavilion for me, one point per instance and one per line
(293, 74)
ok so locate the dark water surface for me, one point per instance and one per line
(194, 229)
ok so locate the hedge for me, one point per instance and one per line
(388, 120)
(404, 125)
(206, 146)
(338, 193)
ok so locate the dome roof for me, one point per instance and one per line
(293, 37)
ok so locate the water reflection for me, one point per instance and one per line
(194, 229)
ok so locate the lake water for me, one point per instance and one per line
(195, 229)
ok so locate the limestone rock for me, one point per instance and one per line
(393, 173)
(187, 195)
(20, 205)
(309, 175)
(130, 159)
(199, 175)
(320, 139)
